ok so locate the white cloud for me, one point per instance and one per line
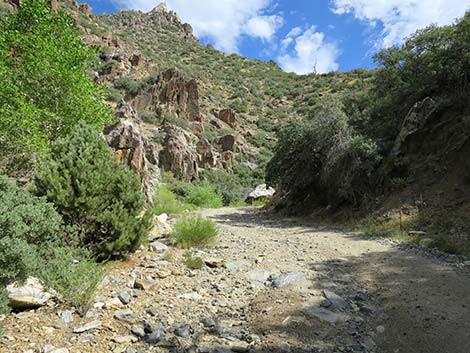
(222, 22)
(400, 18)
(310, 53)
(263, 27)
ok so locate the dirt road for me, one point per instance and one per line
(271, 285)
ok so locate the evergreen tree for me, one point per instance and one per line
(93, 191)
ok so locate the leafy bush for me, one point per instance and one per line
(45, 89)
(26, 217)
(93, 191)
(165, 201)
(4, 308)
(114, 95)
(322, 161)
(225, 184)
(150, 117)
(128, 84)
(18, 260)
(204, 195)
(73, 273)
(194, 230)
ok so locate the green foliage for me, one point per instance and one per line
(193, 262)
(225, 184)
(432, 62)
(45, 90)
(114, 95)
(203, 195)
(73, 273)
(322, 161)
(4, 308)
(94, 192)
(26, 217)
(194, 230)
(17, 260)
(128, 84)
(165, 201)
(150, 117)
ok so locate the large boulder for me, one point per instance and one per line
(134, 149)
(261, 191)
(414, 121)
(179, 154)
(208, 157)
(30, 295)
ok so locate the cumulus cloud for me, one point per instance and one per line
(222, 22)
(400, 18)
(310, 52)
(263, 27)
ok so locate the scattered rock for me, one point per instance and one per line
(30, 295)
(259, 278)
(125, 297)
(237, 265)
(144, 284)
(125, 315)
(287, 279)
(380, 329)
(138, 331)
(214, 262)
(337, 302)
(156, 246)
(183, 331)
(152, 311)
(93, 325)
(124, 339)
(284, 347)
(326, 315)
(156, 336)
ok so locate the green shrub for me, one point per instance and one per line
(165, 201)
(94, 192)
(150, 117)
(18, 260)
(323, 161)
(4, 308)
(194, 230)
(204, 195)
(26, 217)
(193, 262)
(73, 273)
(131, 86)
(114, 95)
(225, 184)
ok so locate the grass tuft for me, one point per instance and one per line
(194, 230)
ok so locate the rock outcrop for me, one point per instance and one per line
(261, 191)
(228, 116)
(226, 143)
(179, 154)
(414, 121)
(171, 94)
(134, 149)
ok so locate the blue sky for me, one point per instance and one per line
(304, 35)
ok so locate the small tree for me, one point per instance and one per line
(95, 192)
(44, 90)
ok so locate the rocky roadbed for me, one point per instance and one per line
(270, 285)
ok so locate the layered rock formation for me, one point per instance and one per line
(134, 149)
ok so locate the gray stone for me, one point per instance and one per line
(157, 246)
(336, 301)
(138, 331)
(284, 347)
(237, 265)
(125, 315)
(260, 192)
(66, 316)
(208, 322)
(125, 297)
(326, 315)
(156, 336)
(152, 311)
(287, 279)
(88, 327)
(183, 331)
(259, 278)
